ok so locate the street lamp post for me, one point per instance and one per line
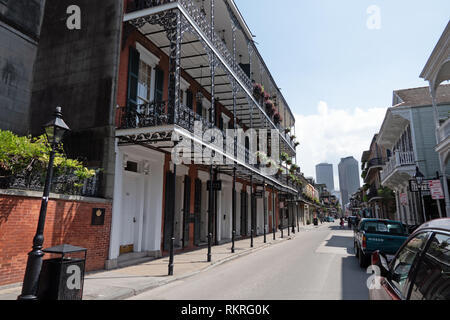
(418, 177)
(54, 131)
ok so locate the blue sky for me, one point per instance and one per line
(337, 74)
(322, 50)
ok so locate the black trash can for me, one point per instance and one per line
(62, 278)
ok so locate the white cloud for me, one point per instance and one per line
(332, 134)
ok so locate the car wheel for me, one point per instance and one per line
(355, 248)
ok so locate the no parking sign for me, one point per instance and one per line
(436, 189)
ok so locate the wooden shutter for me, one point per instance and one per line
(133, 78)
(186, 210)
(244, 213)
(253, 213)
(197, 211)
(168, 211)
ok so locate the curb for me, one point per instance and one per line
(134, 292)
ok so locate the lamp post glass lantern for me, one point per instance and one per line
(419, 177)
(54, 130)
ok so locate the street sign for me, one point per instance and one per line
(217, 185)
(414, 188)
(404, 199)
(436, 189)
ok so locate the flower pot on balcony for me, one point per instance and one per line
(257, 91)
(269, 107)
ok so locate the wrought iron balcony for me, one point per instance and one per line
(375, 162)
(372, 193)
(200, 19)
(396, 162)
(156, 115)
(136, 5)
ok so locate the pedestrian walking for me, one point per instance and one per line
(342, 223)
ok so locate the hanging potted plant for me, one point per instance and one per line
(280, 171)
(257, 90)
(277, 117)
(293, 137)
(293, 168)
(266, 96)
(284, 156)
(261, 156)
(296, 144)
(289, 161)
(271, 163)
(287, 130)
(269, 107)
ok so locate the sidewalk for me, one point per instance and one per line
(124, 283)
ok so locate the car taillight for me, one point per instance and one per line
(364, 242)
(375, 258)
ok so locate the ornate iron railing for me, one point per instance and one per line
(67, 183)
(399, 159)
(143, 116)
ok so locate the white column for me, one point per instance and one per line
(114, 246)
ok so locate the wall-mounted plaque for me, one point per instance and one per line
(98, 217)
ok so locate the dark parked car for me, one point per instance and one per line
(351, 221)
(421, 268)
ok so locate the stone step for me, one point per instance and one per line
(134, 258)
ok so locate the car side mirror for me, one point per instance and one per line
(380, 260)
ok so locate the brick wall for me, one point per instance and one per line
(67, 222)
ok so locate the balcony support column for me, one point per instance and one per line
(274, 227)
(265, 211)
(174, 34)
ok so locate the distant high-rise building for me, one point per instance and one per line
(324, 175)
(349, 181)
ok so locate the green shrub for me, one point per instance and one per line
(19, 154)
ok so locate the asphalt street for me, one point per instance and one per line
(316, 265)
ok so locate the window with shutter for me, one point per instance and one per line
(133, 78)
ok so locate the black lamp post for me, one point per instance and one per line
(54, 130)
(418, 178)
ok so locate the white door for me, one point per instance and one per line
(131, 204)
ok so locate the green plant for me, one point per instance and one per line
(19, 154)
(386, 193)
(284, 156)
(287, 130)
(364, 174)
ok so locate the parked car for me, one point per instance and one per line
(351, 221)
(329, 219)
(371, 235)
(420, 269)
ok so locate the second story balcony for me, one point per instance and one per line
(373, 165)
(154, 125)
(398, 169)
